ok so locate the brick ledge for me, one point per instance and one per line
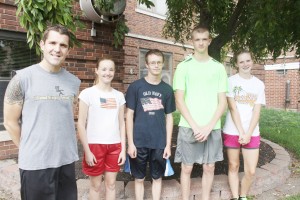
(4, 136)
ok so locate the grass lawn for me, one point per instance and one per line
(281, 127)
(296, 197)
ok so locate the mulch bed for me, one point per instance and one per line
(266, 155)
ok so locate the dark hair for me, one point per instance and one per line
(98, 63)
(236, 54)
(154, 52)
(200, 29)
(58, 28)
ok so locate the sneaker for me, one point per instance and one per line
(242, 198)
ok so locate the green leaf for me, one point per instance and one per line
(59, 19)
(18, 11)
(49, 6)
(40, 26)
(148, 3)
(31, 44)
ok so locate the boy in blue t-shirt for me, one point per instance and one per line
(149, 123)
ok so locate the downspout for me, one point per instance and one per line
(287, 93)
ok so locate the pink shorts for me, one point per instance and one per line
(107, 159)
(231, 141)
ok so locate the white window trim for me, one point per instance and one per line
(149, 13)
(158, 40)
(282, 66)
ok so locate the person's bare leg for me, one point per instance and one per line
(139, 189)
(250, 157)
(110, 185)
(233, 171)
(95, 187)
(156, 188)
(185, 180)
(207, 180)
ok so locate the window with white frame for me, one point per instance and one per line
(167, 68)
(159, 10)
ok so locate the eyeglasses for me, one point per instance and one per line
(156, 63)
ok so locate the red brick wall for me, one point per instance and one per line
(275, 83)
(8, 150)
(276, 89)
(141, 23)
(147, 26)
(81, 61)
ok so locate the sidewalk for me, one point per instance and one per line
(272, 181)
(289, 188)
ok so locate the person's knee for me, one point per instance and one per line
(250, 174)
(95, 186)
(186, 169)
(110, 186)
(157, 181)
(209, 169)
(139, 181)
(233, 167)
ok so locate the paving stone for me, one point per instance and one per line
(170, 189)
(225, 194)
(262, 173)
(274, 169)
(83, 188)
(279, 163)
(213, 196)
(281, 152)
(196, 186)
(129, 190)
(254, 190)
(171, 198)
(220, 183)
(286, 158)
(84, 184)
(275, 146)
(7, 162)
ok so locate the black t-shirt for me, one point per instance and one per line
(150, 103)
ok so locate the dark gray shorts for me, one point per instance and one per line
(190, 151)
(49, 184)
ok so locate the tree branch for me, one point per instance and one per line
(205, 15)
(233, 23)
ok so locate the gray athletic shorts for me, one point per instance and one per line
(190, 151)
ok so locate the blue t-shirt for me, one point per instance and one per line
(150, 104)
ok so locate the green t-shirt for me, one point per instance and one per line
(201, 82)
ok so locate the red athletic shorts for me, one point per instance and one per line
(232, 141)
(107, 159)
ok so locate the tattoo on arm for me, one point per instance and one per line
(13, 94)
(75, 100)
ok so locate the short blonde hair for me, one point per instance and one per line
(200, 29)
